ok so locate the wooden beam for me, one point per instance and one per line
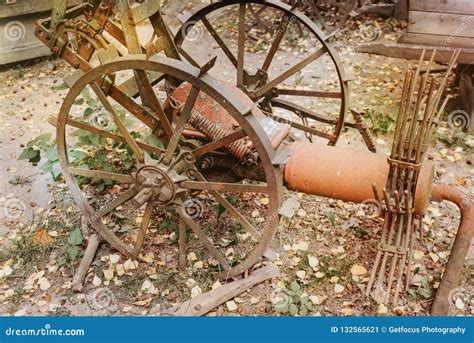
(413, 52)
(206, 302)
(437, 40)
(441, 24)
(443, 6)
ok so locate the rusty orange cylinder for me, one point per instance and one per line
(347, 174)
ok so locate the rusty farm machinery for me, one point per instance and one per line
(198, 142)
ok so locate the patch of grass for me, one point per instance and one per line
(381, 120)
(335, 267)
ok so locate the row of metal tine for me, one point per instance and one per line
(418, 115)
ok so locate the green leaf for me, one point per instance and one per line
(88, 111)
(303, 310)
(332, 218)
(51, 153)
(155, 141)
(282, 307)
(79, 101)
(60, 87)
(295, 286)
(31, 155)
(309, 305)
(75, 237)
(293, 309)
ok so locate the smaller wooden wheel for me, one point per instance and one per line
(307, 90)
(145, 165)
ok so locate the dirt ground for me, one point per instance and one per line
(337, 235)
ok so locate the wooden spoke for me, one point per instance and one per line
(96, 174)
(149, 98)
(280, 32)
(217, 144)
(233, 211)
(104, 133)
(184, 118)
(304, 128)
(312, 93)
(241, 46)
(302, 111)
(236, 214)
(219, 41)
(108, 106)
(224, 187)
(121, 199)
(143, 227)
(290, 72)
(203, 238)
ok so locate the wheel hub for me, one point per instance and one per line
(154, 185)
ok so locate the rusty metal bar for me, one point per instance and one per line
(460, 247)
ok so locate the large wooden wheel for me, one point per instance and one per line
(309, 92)
(163, 174)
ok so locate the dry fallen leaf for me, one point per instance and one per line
(96, 281)
(42, 237)
(338, 288)
(418, 255)
(44, 283)
(231, 306)
(358, 270)
(313, 261)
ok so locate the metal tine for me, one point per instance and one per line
(387, 200)
(440, 90)
(400, 219)
(414, 117)
(410, 257)
(400, 113)
(409, 101)
(391, 232)
(387, 218)
(408, 237)
(376, 194)
(397, 201)
(426, 117)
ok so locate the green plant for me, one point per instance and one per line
(72, 247)
(293, 301)
(380, 120)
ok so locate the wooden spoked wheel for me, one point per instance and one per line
(141, 165)
(294, 73)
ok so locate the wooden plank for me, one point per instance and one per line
(436, 40)
(443, 6)
(408, 51)
(21, 7)
(441, 24)
(206, 302)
